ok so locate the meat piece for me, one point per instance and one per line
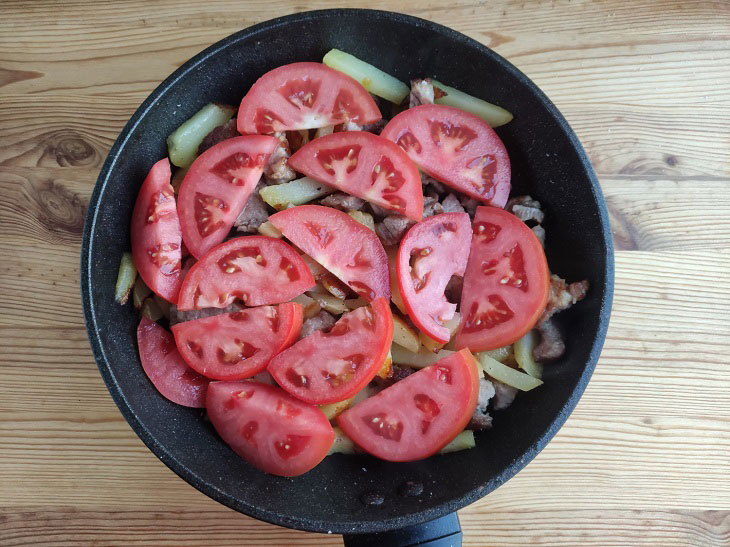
(343, 202)
(450, 204)
(431, 207)
(429, 182)
(421, 92)
(551, 344)
(540, 233)
(322, 321)
(562, 296)
(219, 134)
(277, 170)
(453, 289)
(379, 211)
(481, 419)
(470, 204)
(375, 127)
(178, 316)
(297, 139)
(526, 209)
(503, 395)
(392, 229)
(398, 374)
(254, 214)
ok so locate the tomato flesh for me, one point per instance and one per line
(506, 283)
(417, 416)
(456, 148)
(166, 369)
(238, 345)
(367, 166)
(304, 96)
(258, 270)
(216, 188)
(269, 428)
(430, 253)
(326, 367)
(341, 244)
(156, 237)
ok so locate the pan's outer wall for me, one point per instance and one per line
(548, 162)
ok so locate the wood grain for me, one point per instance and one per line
(645, 457)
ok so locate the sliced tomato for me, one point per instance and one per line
(238, 345)
(258, 270)
(217, 187)
(506, 283)
(430, 253)
(166, 369)
(269, 428)
(156, 236)
(304, 96)
(367, 166)
(455, 147)
(419, 415)
(326, 367)
(339, 243)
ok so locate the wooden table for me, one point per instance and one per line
(644, 459)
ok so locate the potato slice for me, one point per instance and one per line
(296, 192)
(366, 219)
(334, 286)
(315, 267)
(268, 229)
(371, 78)
(431, 344)
(507, 375)
(395, 297)
(332, 410)
(491, 113)
(504, 354)
(310, 307)
(523, 354)
(420, 359)
(329, 303)
(462, 441)
(182, 144)
(342, 443)
(404, 335)
(386, 371)
(125, 278)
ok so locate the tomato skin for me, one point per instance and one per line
(304, 96)
(166, 369)
(238, 345)
(456, 148)
(506, 283)
(445, 239)
(315, 356)
(258, 269)
(216, 188)
(341, 244)
(156, 237)
(419, 415)
(269, 428)
(367, 166)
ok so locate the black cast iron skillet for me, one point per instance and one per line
(356, 494)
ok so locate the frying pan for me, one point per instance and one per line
(355, 495)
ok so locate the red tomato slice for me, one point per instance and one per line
(455, 147)
(341, 244)
(257, 269)
(238, 345)
(216, 188)
(166, 369)
(304, 96)
(429, 254)
(328, 367)
(269, 428)
(367, 166)
(418, 416)
(156, 236)
(506, 283)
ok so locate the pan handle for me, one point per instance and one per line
(441, 532)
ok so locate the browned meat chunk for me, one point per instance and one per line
(392, 229)
(481, 419)
(219, 134)
(375, 127)
(551, 344)
(450, 204)
(321, 321)
(379, 211)
(343, 202)
(178, 316)
(470, 204)
(526, 209)
(254, 214)
(431, 207)
(562, 296)
(297, 139)
(503, 395)
(453, 289)
(277, 171)
(430, 183)
(398, 374)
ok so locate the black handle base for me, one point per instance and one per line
(442, 532)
